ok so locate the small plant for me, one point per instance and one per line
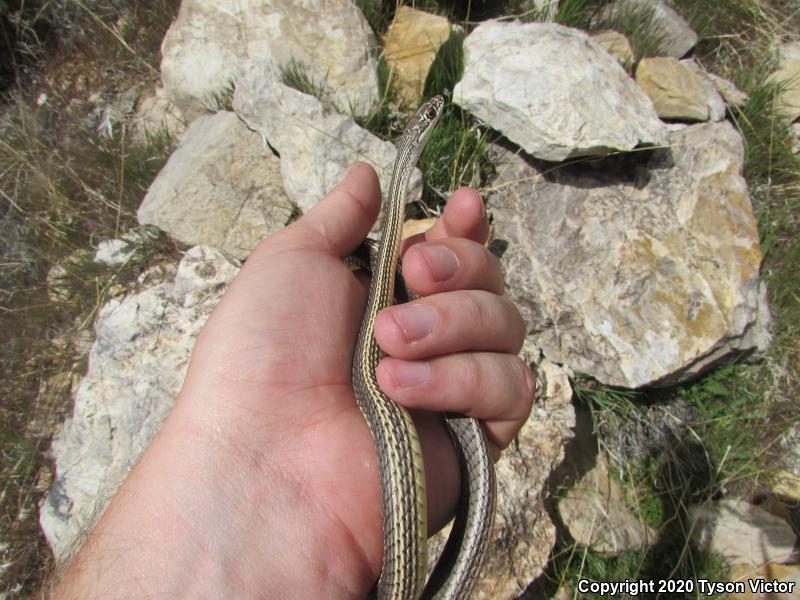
(221, 99)
(297, 75)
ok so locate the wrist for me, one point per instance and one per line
(201, 516)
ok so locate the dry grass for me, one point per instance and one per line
(66, 183)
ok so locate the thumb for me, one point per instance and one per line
(343, 218)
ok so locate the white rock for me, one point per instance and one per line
(642, 271)
(742, 533)
(677, 37)
(136, 368)
(114, 252)
(211, 39)
(221, 187)
(714, 98)
(316, 145)
(553, 91)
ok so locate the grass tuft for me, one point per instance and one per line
(220, 100)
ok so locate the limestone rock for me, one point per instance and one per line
(316, 145)
(616, 44)
(136, 368)
(677, 91)
(594, 512)
(119, 251)
(732, 95)
(410, 46)
(523, 533)
(156, 114)
(716, 101)
(221, 187)
(742, 533)
(677, 38)
(211, 39)
(644, 270)
(788, 75)
(553, 91)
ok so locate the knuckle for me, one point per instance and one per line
(471, 374)
(475, 311)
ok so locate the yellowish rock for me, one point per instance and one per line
(410, 47)
(676, 91)
(617, 45)
(787, 485)
(788, 76)
(415, 226)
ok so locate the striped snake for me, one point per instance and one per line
(402, 474)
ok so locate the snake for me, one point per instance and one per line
(399, 453)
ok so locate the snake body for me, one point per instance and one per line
(402, 473)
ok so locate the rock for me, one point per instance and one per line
(119, 251)
(788, 76)
(594, 512)
(553, 91)
(410, 46)
(643, 270)
(732, 95)
(136, 368)
(787, 485)
(157, 114)
(677, 38)
(769, 572)
(210, 39)
(523, 533)
(714, 98)
(316, 146)
(415, 226)
(617, 45)
(742, 533)
(221, 187)
(677, 91)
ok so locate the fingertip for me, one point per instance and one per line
(463, 216)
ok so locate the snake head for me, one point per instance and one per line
(423, 121)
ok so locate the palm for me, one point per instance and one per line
(287, 347)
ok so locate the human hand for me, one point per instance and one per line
(263, 480)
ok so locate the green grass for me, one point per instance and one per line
(220, 100)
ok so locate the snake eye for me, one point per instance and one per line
(431, 113)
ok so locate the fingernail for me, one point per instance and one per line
(410, 374)
(442, 261)
(416, 320)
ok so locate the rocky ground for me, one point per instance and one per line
(613, 161)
